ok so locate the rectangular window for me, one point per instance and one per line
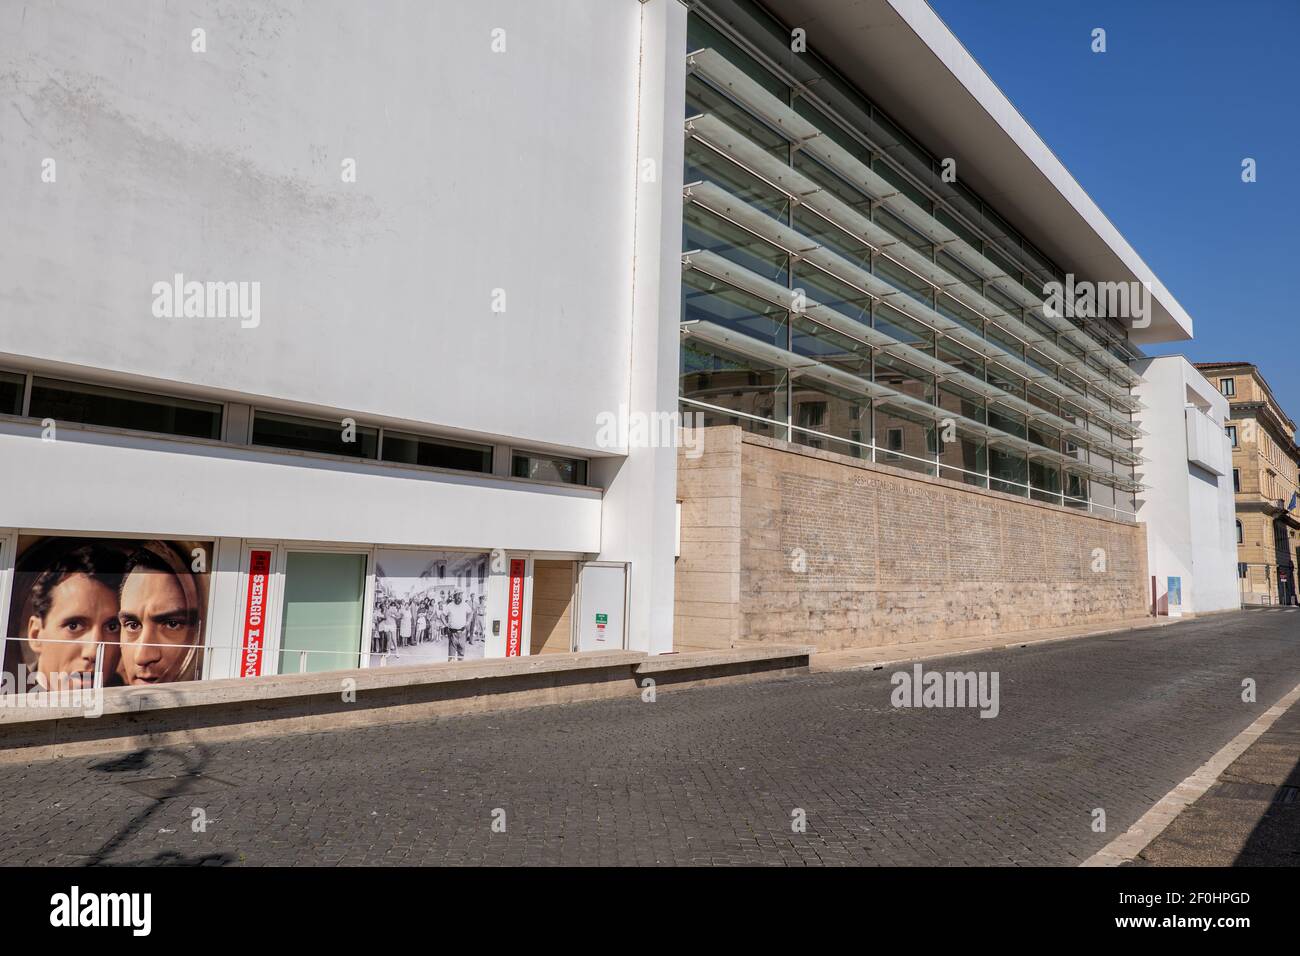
(1236, 480)
(810, 414)
(1228, 386)
(320, 628)
(572, 471)
(120, 408)
(309, 434)
(894, 439)
(459, 456)
(1232, 434)
(11, 393)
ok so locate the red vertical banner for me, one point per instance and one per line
(259, 575)
(515, 613)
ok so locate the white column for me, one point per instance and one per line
(640, 505)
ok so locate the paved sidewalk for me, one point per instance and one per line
(1250, 817)
(859, 658)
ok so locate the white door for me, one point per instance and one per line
(602, 606)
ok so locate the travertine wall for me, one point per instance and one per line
(782, 543)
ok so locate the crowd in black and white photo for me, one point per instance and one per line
(420, 626)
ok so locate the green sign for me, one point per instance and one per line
(602, 618)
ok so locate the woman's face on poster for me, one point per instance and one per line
(82, 617)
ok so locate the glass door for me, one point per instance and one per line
(320, 627)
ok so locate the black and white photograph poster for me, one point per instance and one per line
(429, 607)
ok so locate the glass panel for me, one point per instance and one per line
(962, 232)
(119, 408)
(1008, 467)
(958, 270)
(1002, 300)
(828, 410)
(1076, 486)
(310, 434)
(1044, 400)
(905, 430)
(909, 433)
(960, 357)
(954, 310)
(1046, 479)
(713, 301)
(707, 164)
(1009, 382)
(832, 348)
(702, 98)
(1103, 494)
(11, 393)
(897, 179)
(828, 126)
(719, 378)
(412, 450)
(701, 35)
(902, 230)
(1006, 421)
(833, 184)
(953, 474)
(964, 452)
(1041, 434)
(826, 290)
(831, 444)
(572, 471)
(703, 230)
(904, 328)
(1005, 341)
(903, 280)
(832, 237)
(322, 612)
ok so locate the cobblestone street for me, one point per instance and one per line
(703, 776)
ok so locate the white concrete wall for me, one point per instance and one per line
(91, 480)
(1188, 511)
(476, 171)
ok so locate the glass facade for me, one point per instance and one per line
(838, 294)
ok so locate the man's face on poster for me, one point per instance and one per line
(82, 615)
(158, 628)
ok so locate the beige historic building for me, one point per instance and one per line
(1265, 460)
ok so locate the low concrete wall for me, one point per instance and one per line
(137, 718)
(782, 543)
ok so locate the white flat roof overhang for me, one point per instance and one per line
(901, 55)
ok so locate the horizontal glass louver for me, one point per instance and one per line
(715, 134)
(722, 75)
(721, 203)
(717, 267)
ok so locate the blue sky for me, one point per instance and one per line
(1155, 130)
